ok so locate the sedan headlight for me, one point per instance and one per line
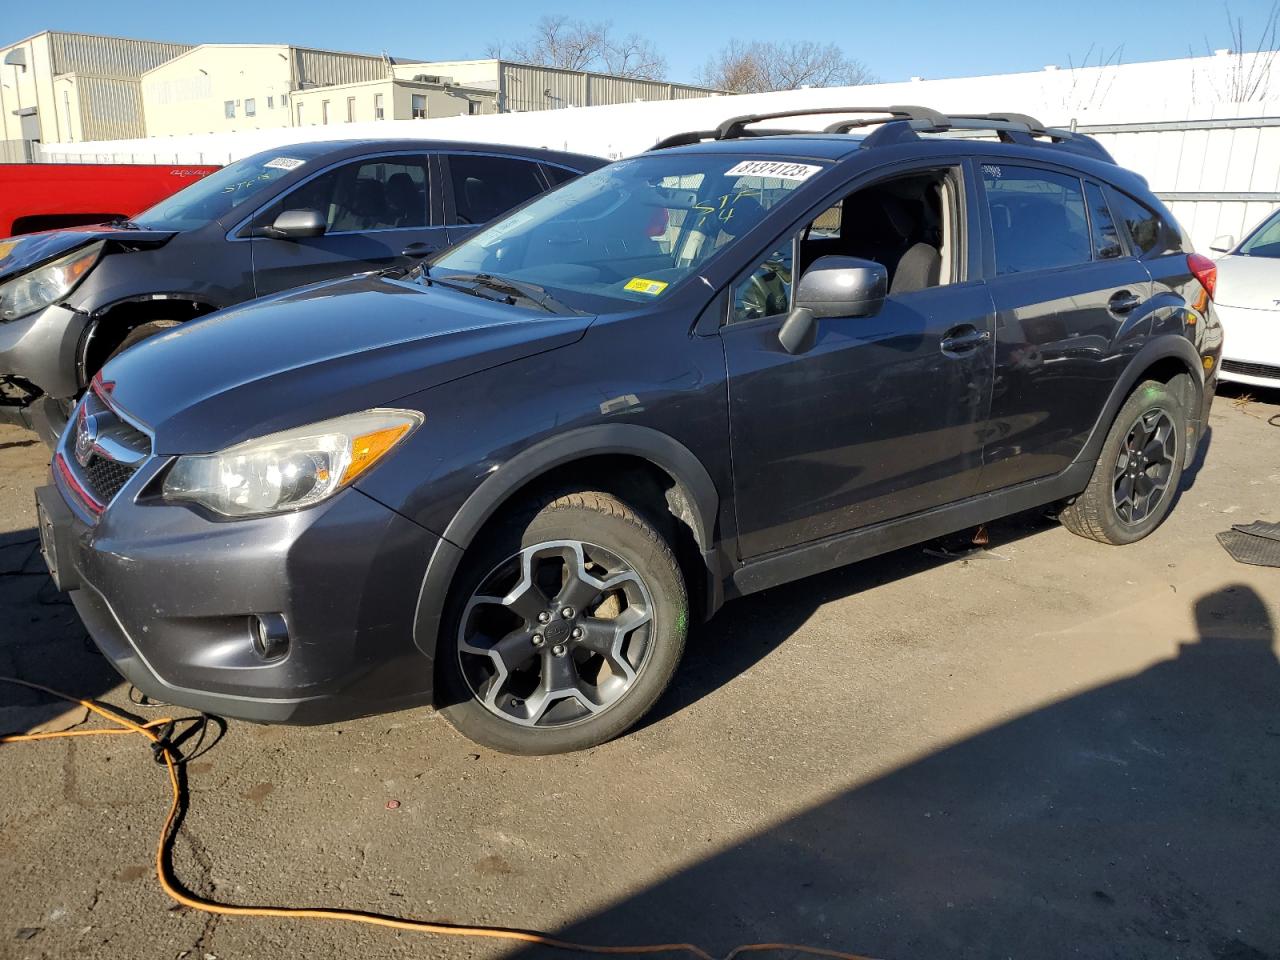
(36, 289)
(292, 469)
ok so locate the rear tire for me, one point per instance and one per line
(1138, 471)
(142, 332)
(564, 627)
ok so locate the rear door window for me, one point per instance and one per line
(487, 187)
(1038, 218)
(1107, 244)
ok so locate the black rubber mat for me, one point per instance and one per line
(1246, 548)
(1259, 529)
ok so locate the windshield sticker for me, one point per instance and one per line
(776, 169)
(641, 285)
(284, 163)
(7, 247)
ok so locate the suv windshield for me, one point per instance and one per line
(1265, 241)
(631, 230)
(224, 190)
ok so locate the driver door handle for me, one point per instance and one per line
(1123, 302)
(963, 339)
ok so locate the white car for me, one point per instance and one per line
(1248, 302)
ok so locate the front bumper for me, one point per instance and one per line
(170, 598)
(41, 349)
(1251, 348)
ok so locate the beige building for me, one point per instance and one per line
(390, 98)
(68, 87)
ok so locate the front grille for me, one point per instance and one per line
(104, 478)
(102, 450)
(1251, 369)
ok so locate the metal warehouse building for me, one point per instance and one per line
(69, 87)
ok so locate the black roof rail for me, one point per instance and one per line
(905, 121)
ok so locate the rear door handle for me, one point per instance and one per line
(963, 339)
(1123, 302)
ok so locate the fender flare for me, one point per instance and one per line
(1168, 346)
(702, 502)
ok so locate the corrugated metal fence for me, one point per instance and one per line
(1217, 176)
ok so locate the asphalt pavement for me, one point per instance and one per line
(1044, 748)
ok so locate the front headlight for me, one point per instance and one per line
(292, 469)
(36, 289)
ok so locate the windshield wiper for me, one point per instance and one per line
(515, 289)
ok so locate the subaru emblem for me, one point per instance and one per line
(86, 437)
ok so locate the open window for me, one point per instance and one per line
(908, 223)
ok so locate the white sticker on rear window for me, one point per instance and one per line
(284, 163)
(777, 169)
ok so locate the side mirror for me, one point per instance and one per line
(833, 287)
(297, 224)
(1224, 244)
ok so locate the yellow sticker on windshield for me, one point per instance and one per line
(641, 285)
(7, 247)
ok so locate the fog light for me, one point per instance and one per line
(270, 636)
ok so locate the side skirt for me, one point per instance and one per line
(819, 556)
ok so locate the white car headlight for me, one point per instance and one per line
(291, 469)
(36, 289)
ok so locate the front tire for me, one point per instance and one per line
(142, 332)
(1138, 471)
(564, 627)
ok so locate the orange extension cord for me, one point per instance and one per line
(170, 886)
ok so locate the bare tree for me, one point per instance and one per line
(1250, 75)
(558, 41)
(761, 66)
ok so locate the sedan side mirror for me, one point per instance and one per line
(833, 287)
(1224, 244)
(297, 224)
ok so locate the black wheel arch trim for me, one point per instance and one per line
(1166, 347)
(658, 448)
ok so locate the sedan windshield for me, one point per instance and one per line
(1265, 241)
(224, 190)
(632, 230)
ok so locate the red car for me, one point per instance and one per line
(51, 196)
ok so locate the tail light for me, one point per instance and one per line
(1204, 270)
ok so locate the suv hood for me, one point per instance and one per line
(318, 352)
(1250, 282)
(29, 250)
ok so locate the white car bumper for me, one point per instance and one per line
(1251, 346)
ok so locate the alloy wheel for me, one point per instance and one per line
(1144, 466)
(555, 634)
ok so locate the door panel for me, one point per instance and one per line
(876, 421)
(1064, 333)
(375, 207)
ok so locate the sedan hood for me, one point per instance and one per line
(21, 253)
(1251, 282)
(318, 352)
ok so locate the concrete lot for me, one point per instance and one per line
(1051, 749)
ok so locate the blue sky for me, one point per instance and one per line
(897, 40)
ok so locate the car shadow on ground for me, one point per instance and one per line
(1137, 819)
(747, 630)
(41, 640)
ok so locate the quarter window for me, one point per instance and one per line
(1037, 218)
(766, 292)
(1145, 227)
(1106, 238)
(484, 187)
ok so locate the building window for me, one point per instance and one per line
(351, 109)
(324, 111)
(419, 106)
(378, 113)
(284, 99)
(229, 109)
(271, 103)
(250, 107)
(473, 107)
(300, 106)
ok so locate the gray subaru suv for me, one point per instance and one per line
(510, 481)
